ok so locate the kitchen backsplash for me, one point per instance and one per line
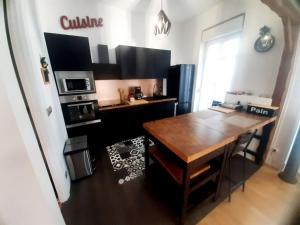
(108, 89)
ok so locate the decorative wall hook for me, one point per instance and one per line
(266, 40)
(44, 69)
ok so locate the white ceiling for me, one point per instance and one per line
(176, 10)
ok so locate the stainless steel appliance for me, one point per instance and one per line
(79, 110)
(76, 85)
(180, 85)
(136, 92)
(75, 82)
(77, 157)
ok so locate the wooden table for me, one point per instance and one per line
(196, 136)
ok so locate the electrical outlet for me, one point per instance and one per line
(66, 174)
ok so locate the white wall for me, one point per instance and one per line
(29, 46)
(171, 41)
(26, 194)
(119, 26)
(254, 72)
(289, 120)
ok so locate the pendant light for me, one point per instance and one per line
(163, 24)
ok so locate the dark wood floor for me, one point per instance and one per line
(99, 199)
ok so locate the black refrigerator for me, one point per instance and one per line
(180, 83)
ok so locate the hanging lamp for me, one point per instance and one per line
(163, 24)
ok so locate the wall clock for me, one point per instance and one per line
(266, 40)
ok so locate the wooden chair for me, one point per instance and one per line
(245, 140)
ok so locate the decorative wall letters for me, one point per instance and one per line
(80, 23)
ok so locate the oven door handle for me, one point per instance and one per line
(83, 123)
(78, 104)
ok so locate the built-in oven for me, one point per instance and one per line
(81, 115)
(80, 110)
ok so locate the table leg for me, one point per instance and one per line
(146, 144)
(263, 143)
(223, 167)
(185, 195)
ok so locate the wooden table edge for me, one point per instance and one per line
(208, 150)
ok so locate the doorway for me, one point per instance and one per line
(218, 69)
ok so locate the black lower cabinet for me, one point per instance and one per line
(125, 123)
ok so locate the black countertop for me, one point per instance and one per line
(116, 104)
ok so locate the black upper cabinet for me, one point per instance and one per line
(68, 53)
(126, 58)
(143, 63)
(105, 71)
(103, 54)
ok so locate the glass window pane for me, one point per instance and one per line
(219, 65)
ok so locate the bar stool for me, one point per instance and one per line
(244, 139)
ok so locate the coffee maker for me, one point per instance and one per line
(136, 92)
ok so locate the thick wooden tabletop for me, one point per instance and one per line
(195, 135)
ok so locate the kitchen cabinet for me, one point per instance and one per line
(68, 53)
(142, 63)
(105, 71)
(124, 123)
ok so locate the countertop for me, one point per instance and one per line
(203, 132)
(116, 104)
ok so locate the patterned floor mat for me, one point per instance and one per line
(127, 158)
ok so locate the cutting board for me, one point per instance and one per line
(137, 102)
(221, 109)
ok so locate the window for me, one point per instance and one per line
(219, 64)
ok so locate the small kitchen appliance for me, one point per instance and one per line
(76, 85)
(75, 82)
(138, 94)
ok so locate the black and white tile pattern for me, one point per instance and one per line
(128, 158)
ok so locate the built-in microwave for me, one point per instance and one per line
(75, 82)
(76, 85)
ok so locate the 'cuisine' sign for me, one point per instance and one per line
(79, 23)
